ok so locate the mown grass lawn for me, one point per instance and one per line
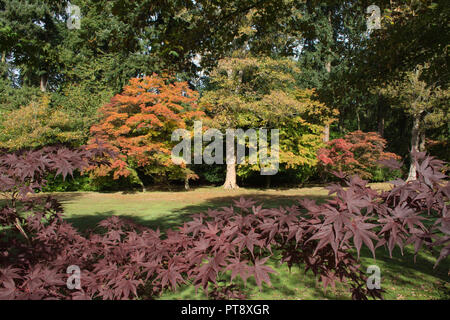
(400, 276)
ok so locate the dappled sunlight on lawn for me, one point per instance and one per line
(401, 277)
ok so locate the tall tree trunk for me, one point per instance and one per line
(44, 80)
(341, 122)
(358, 119)
(380, 112)
(326, 133)
(186, 183)
(326, 129)
(415, 138)
(230, 180)
(4, 68)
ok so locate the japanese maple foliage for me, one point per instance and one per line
(123, 260)
(356, 153)
(23, 172)
(138, 124)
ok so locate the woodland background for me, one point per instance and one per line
(344, 98)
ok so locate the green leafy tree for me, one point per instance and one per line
(34, 31)
(250, 92)
(412, 33)
(426, 105)
(334, 33)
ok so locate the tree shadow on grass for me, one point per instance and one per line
(178, 216)
(61, 197)
(403, 269)
(285, 285)
(88, 222)
(266, 200)
(399, 270)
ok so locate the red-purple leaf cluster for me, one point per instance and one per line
(356, 153)
(23, 172)
(122, 260)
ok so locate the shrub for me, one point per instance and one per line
(357, 153)
(37, 125)
(56, 183)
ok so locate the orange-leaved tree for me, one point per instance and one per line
(138, 124)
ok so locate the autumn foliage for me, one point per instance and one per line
(123, 260)
(356, 153)
(138, 124)
(36, 125)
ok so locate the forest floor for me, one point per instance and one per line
(400, 276)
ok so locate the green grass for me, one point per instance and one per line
(168, 209)
(400, 276)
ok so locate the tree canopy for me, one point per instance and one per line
(311, 69)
